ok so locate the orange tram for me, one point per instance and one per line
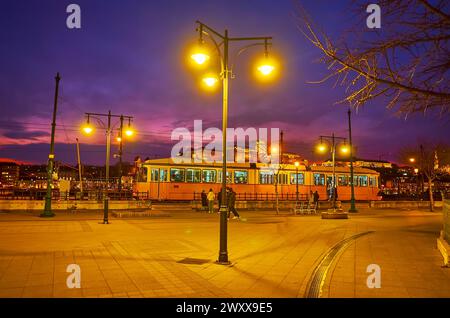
(163, 179)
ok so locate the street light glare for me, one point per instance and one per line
(321, 147)
(412, 159)
(296, 163)
(87, 129)
(210, 81)
(129, 132)
(200, 58)
(345, 149)
(266, 69)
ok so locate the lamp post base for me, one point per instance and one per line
(47, 214)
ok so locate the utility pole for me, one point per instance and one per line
(80, 172)
(51, 157)
(352, 186)
(109, 129)
(120, 153)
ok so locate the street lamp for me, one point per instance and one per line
(352, 180)
(412, 160)
(88, 129)
(322, 147)
(51, 157)
(201, 57)
(296, 180)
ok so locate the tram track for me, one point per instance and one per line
(319, 275)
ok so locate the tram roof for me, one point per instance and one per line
(247, 165)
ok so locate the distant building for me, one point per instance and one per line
(363, 163)
(372, 163)
(9, 174)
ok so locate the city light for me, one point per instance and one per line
(129, 132)
(345, 149)
(210, 80)
(412, 160)
(296, 163)
(200, 58)
(266, 69)
(321, 147)
(87, 129)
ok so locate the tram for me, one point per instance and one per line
(163, 179)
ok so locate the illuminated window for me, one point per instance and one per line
(193, 175)
(265, 177)
(319, 179)
(373, 181)
(209, 176)
(219, 177)
(176, 175)
(343, 180)
(154, 173)
(240, 176)
(301, 178)
(163, 175)
(362, 180)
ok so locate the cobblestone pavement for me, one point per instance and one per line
(272, 255)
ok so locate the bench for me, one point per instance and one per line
(304, 207)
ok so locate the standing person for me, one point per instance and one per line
(232, 204)
(211, 196)
(312, 199)
(316, 197)
(204, 201)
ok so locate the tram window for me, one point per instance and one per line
(301, 178)
(154, 174)
(240, 176)
(319, 179)
(265, 177)
(373, 181)
(329, 180)
(282, 178)
(209, 176)
(219, 177)
(177, 175)
(342, 180)
(362, 181)
(163, 175)
(355, 181)
(193, 175)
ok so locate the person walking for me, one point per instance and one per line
(211, 196)
(232, 205)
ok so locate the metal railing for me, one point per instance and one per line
(262, 196)
(91, 195)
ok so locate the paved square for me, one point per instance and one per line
(272, 255)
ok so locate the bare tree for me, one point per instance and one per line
(407, 60)
(431, 160)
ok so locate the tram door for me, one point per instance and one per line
(158, 183)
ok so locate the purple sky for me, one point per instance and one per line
(128, 58)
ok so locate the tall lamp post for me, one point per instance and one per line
(352, 181)
(296, 181)
(200, 56)
(88, 129)
(51, 157)
(322, 147)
